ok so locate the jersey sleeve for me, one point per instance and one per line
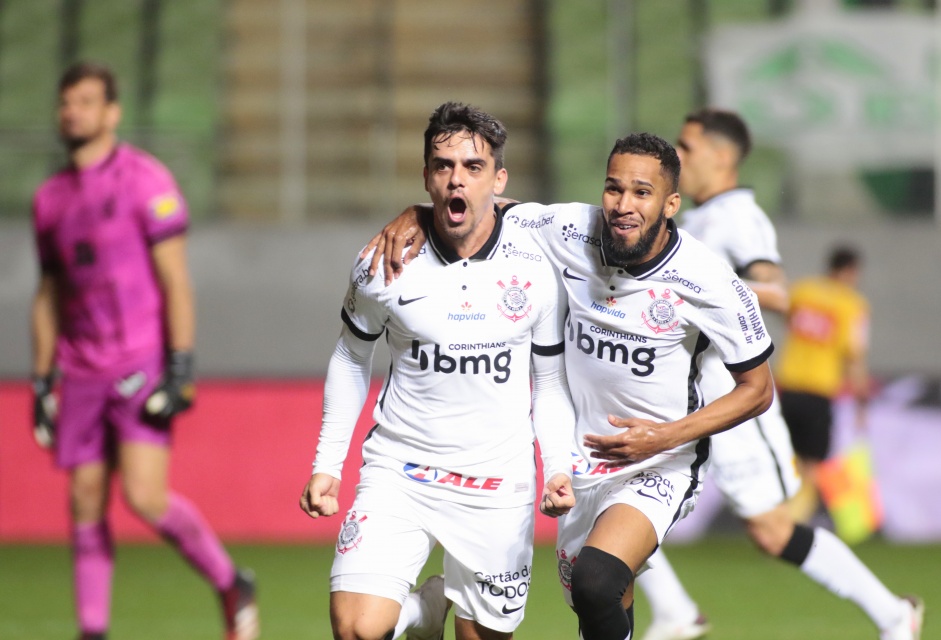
(344, 395)
(161, 207)
(42, 232)
(363, 313)
(753, 239)
(731, 319)
(856, 328)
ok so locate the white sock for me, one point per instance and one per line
(409, 616)
(665, 593)
(834, 566)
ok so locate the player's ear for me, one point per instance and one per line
(113, 115)
(672, 205)
(500, 182)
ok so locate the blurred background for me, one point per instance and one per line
(294, 129)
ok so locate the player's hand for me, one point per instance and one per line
(640, 439)
(320, 496)
(176, 390)
(404, 231)
(45, 409)
(557, 496)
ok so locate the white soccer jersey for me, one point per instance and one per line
(635, 336)
(753, 464)
(454, 411)
(733, 225)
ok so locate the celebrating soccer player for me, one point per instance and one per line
(753, 465)
(645, 302)
(114, 313)
(450, 460)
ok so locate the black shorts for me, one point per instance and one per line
(809, 418)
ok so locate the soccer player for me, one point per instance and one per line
(114, 313)
(450, 459)
(753, 464)
(827, 343)
(645, 301)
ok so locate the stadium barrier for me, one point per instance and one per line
(242, 454)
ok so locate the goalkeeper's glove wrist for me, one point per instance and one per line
(176, 390)
(45, 409)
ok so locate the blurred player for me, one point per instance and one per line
(827, 343)
(753, 465)
(450, 459)
(114, 313)
(645, 301)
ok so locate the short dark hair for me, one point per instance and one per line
(82, 70)
(727, 124)
(843, 257)
(455, 117)
(647, 144)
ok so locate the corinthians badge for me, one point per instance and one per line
(661, 314)
(515, 303)
(350, 535)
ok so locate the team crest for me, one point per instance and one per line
(565, 569)
(661, 314)
(515, 301)
(350, 534)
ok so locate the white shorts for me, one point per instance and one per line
(664, 494)
(753, 464)
(389, 532)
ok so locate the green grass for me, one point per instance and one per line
(157, 597)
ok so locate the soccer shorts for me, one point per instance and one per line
(753, 464)
(665, 494)
(94, 414)
(809, 418)
(390, 530)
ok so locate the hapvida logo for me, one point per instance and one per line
(610, 311)
(467, 314)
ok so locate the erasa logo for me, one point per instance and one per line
(483, 363)
(510, 250)
(570, 232)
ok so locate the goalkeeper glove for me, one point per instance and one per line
(45, 409)
(176, 390)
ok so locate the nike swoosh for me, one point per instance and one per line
(505, 610)
(403, 301)
(565, 273)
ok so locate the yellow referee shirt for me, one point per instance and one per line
(827, 322)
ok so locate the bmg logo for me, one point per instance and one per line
(483, 364)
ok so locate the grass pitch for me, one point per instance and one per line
(156, 596)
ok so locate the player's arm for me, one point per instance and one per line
(642, 439)
(344, 395)
(176, 391)
(404, 231)
(554, 423)
(44, 321)
(857, 367)
(769, 282)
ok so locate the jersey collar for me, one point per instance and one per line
(644, 270)
(448, 255)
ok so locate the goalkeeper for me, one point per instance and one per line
(114, 313)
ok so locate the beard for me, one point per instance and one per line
(628, 255)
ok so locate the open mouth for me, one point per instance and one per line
(625, 225)
(457, 208)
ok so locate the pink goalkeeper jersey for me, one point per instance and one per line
(94, 229)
